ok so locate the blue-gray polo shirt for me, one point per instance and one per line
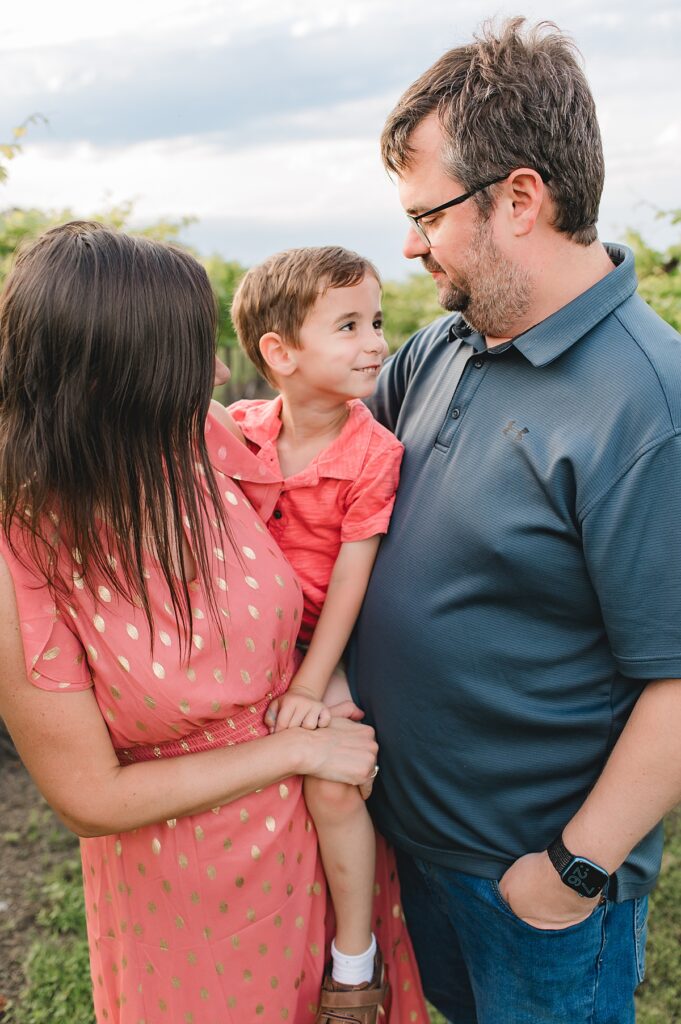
(530, 582)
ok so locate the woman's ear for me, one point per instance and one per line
(280, 357)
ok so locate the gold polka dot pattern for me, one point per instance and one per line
(217, 918)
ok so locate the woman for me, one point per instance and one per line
(150, 620)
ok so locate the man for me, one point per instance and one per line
(520, 643)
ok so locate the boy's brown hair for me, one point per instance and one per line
(278, 294)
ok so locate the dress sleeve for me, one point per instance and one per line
(370, 500)
(54, 655)
(230, 458)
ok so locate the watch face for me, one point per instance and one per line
(585, 878)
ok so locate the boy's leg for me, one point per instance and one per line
(337, 689)
(585, 974)
(348, 850)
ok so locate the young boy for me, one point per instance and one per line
(310, 320)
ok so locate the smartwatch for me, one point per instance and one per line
(578, 873)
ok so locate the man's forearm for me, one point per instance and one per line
(640, 783)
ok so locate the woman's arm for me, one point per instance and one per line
(63, 741)
(225, 417)
(349, 579)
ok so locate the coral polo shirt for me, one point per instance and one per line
(345, 494)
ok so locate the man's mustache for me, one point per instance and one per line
(430, 265)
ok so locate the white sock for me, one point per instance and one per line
(353, 970)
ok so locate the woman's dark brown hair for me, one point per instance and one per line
(107, 361)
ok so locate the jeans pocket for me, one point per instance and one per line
(508, 910)
(640, 935)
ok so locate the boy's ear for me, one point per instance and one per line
(279, 356)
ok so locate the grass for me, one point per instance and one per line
(58, 978)
(57, 966)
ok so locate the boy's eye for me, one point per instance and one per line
(378, 324)
(349, 326)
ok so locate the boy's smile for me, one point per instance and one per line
(341, 342)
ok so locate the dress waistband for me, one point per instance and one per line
(246, 724)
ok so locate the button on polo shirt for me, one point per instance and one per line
(524, 594)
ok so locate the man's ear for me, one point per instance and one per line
(527, 193)
(280, 357)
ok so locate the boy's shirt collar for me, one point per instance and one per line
(260, 421)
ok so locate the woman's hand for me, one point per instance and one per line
(343, 752)
(535, 893)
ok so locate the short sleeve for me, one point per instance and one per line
(370, 499)
(632, 540)
(229, 457)
(54, 655)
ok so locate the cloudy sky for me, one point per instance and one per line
(261, 117)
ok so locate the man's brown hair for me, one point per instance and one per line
(278, 294)
(516, 97)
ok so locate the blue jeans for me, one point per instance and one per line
(480, 964)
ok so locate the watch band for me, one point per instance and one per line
(580, 874)
(559, 855)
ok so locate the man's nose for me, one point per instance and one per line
(414, 246)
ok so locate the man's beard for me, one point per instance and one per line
(497, 293)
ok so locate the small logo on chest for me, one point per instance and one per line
(513, 431)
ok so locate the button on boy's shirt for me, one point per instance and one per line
(345, 494)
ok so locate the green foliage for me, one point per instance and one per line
(224, 276)
(58, 988)
(659, 273)
(408, 306)
(22, 225)
(10, 150)
(659, 998)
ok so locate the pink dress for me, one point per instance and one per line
(217, 918)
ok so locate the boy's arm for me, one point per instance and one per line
(344, 597)
(225, 417)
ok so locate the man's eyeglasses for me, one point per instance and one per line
(416, 221)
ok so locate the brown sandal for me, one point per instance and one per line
(368, 1003)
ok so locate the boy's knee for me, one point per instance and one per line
(329, 801)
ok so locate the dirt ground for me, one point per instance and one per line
(32, 842)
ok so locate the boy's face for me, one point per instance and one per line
(341, 341)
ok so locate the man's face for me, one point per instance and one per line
(471, 273)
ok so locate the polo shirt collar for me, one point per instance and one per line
(547, 340)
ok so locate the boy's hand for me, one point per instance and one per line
(296, 708)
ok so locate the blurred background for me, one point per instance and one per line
(248, 126)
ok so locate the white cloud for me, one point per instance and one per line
(670, 136)
(303, 181)
(262, 117)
